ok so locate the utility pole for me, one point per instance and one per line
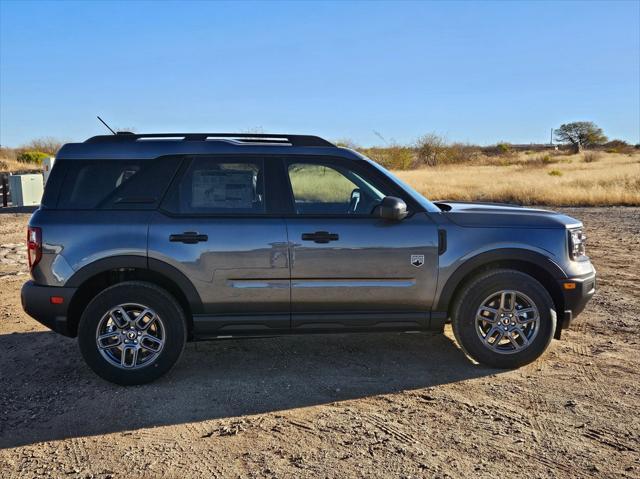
(551, 137)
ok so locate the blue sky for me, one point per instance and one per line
(477, 72)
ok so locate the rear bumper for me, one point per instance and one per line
(36, 302)
(577, 298)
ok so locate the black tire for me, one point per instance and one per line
(147, 294)
(463, 317)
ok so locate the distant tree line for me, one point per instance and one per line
(430, 149)
(433, 149)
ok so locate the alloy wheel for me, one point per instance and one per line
(507, 321)
(130, 336)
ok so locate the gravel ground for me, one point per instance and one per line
(394, 405)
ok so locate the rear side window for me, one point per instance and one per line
(115, 184)
(219, 186)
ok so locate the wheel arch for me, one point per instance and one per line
(94, 277)
(535, 264)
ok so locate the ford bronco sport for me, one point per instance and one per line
(143, 242)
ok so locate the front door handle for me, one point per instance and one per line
(320, 237)
(188, 237)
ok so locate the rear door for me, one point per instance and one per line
(349, 269)
(218, 228)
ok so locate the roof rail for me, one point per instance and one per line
(241, 138)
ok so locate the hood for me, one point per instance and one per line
(496, 215)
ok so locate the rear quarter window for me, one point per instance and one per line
(115, 184)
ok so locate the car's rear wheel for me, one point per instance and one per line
(504, 318)
(132, 333)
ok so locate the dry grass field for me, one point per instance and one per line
(604, 179)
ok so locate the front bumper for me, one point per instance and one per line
(582, 289)
(36, 302)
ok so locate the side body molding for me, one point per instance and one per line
(493, 256)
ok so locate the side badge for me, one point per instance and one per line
(417, 260)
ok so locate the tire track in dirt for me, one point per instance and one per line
(186, 438)
(78, 454)
(548, 434)
(388, 428)
(585, 364)
(612, 439)
(202, 457)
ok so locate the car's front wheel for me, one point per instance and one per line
(132, 333)
(504, 318)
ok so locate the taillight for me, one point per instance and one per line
(34, 245)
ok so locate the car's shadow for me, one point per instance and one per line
(47, 392)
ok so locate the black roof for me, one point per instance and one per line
(126, 145)
(293, 140)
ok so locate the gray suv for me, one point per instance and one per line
(144, 242)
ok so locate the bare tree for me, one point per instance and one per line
(45, 145)
(430, 149)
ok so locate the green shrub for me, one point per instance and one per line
(555, 173)
(504, 148)
(32, 157)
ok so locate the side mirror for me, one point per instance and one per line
(391, 208)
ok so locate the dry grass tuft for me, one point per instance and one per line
(613, 180)
(591, 156)
(8, 165)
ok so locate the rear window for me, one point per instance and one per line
(114, 184)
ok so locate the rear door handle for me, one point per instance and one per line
(188, 237)
(320, 237)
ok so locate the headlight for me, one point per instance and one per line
(576, 243)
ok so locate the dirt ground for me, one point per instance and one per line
(395, 405)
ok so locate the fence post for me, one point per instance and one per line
(5, 188)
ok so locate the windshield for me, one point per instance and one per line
(425, 203)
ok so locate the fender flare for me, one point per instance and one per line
(488, 257)
(143, 263)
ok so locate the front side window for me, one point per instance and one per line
(322, 189)
(215, 186)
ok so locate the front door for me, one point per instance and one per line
(216, 228)
(349, 269)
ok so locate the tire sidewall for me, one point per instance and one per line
(464, 322)
(141, 293)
